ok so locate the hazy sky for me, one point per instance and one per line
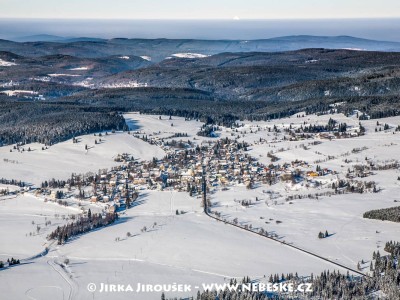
(199, 9)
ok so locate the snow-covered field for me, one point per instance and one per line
(145, 57)
(79, 69)
(17, 92)
(190, 247)
(63, 75)
(4, 63)
(164, 127)
(189, 55)
(19, 218)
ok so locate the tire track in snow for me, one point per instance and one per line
(72, 285)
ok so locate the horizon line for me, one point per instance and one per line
(201, 39)
(202, 19)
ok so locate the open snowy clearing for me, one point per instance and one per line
(145, 57)
(4, 63)
(63, 75)
(80, 69)
(19, 218)
(189, 55)
(42, 279)
(16, 92)
(164, 127)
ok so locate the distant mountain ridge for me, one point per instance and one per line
(54, 39)
(159, 49)
(39, 38)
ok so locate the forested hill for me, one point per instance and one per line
(77, 95)
(159, 49)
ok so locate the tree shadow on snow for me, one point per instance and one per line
(133, 124)
(117, 222)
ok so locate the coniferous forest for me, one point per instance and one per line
(386, 214)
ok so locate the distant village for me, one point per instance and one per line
(228, 163)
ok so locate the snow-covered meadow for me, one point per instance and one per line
(4, 63)
(189, 55)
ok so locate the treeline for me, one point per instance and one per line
(96, 110)
(386, 214)
(187, 103)
(13, 182)
(373, 107)
(47, 89)
(76, 180)
(49, 123)
(81, 225)
(208, 131)
(195, 104)
(10, 262)
(331, 126)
